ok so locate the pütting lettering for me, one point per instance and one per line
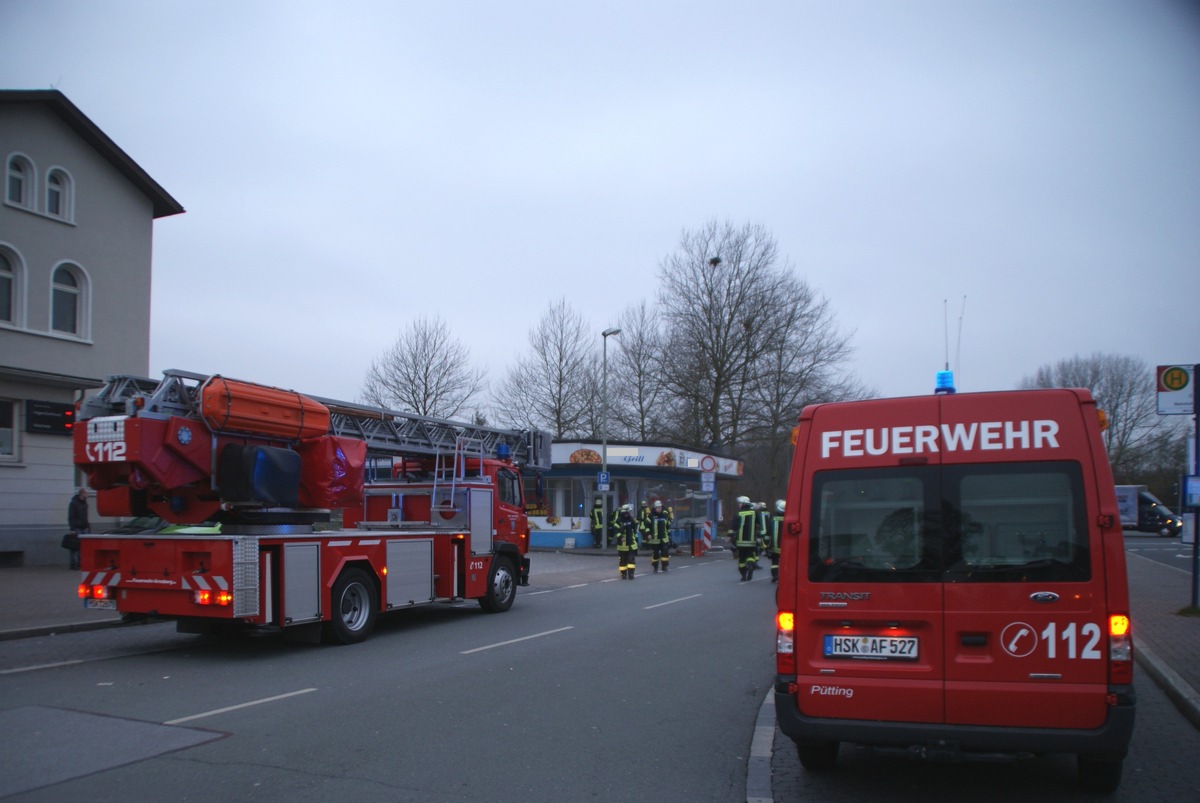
(831, 691)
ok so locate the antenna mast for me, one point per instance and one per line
(946, 330)
(958, 347)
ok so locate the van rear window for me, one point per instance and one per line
(873, 525)
(1018, 523)
(1013, 522)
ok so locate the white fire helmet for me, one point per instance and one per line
(743, 500)
(780, 505)
(657, 503)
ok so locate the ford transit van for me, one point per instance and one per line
(952, 582)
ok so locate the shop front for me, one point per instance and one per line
(559, 501)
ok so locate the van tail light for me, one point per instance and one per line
(1120, 650)
(785, 643)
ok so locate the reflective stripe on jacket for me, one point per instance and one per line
(743, 532)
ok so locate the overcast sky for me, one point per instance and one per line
(347, 167)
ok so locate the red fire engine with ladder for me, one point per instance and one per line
(432, 510)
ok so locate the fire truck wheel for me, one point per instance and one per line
(353, 607)
(502, 587)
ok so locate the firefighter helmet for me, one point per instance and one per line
(657, 503)
(780, 505)
(743, 500)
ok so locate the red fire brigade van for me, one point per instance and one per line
(953, 582)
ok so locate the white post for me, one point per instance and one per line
(604, 423)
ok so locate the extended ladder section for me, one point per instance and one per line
(386, 432)
(391, 432)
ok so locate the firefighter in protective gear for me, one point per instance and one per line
(643, 520)
(598, 522)
(659, 537)
(627, 542)
(773, 539)
(762, 523)
(745, 538)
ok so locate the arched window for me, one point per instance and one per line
(68, 303)
(18, 186)
(8, 289)
(60, 196)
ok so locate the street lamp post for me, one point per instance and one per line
(604, 425)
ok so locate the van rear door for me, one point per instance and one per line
(869, 624)
(1025, 613)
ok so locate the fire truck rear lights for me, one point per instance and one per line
(99, 592)
(84, 590)
(786, 620)
(1118, 625)
(208, 597)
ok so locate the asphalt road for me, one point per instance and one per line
(589, 688)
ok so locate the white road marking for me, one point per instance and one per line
(516, 640)
(236, 707)
(671, 602)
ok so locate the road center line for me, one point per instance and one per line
(236, 707)
(36, 667)
(75, 661)
(671, 602)
(516, 640)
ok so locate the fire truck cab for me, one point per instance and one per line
(952, 582)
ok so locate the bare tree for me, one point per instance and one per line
(1124, 388)
(553, 388)
(747, 338)
(635, 403)
(425, 371)
(800, 369)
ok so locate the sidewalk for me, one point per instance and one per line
(41, 600)
(1166, 645)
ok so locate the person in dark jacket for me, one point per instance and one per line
(598, 522)
(658, 536)
(744, 534)
(77, 521)
(773, 538)
(627, 542)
